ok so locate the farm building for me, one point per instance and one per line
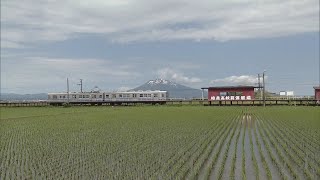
(230, 93)
(317, 93)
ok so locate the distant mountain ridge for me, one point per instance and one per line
(175, 90)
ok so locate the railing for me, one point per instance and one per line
(176, 101)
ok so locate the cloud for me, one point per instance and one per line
(167, 73)
(237, 80)
(25, 23)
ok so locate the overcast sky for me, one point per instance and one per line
(121, 44)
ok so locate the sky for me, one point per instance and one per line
(121, 44)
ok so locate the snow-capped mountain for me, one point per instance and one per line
(161, 81)
(175, 90)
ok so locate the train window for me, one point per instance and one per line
(100, 96)
(74, 96)
(87, 96)
(141, 95)
(114, 95)
(54, 97)
(120, 95)
(155, 95)
(107, 95)
(162, 95)
(149, 95)
(94, 96)
(134, 95)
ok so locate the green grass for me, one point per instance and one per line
(150, 142)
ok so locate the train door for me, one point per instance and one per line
(114, 97)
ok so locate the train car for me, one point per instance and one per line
(131, 96)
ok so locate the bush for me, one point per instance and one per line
(66, 105)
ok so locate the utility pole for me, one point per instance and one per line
(264, 88)
(80, 85)
(259, 85)
(68, 90)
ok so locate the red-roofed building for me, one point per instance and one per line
(230, 93)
